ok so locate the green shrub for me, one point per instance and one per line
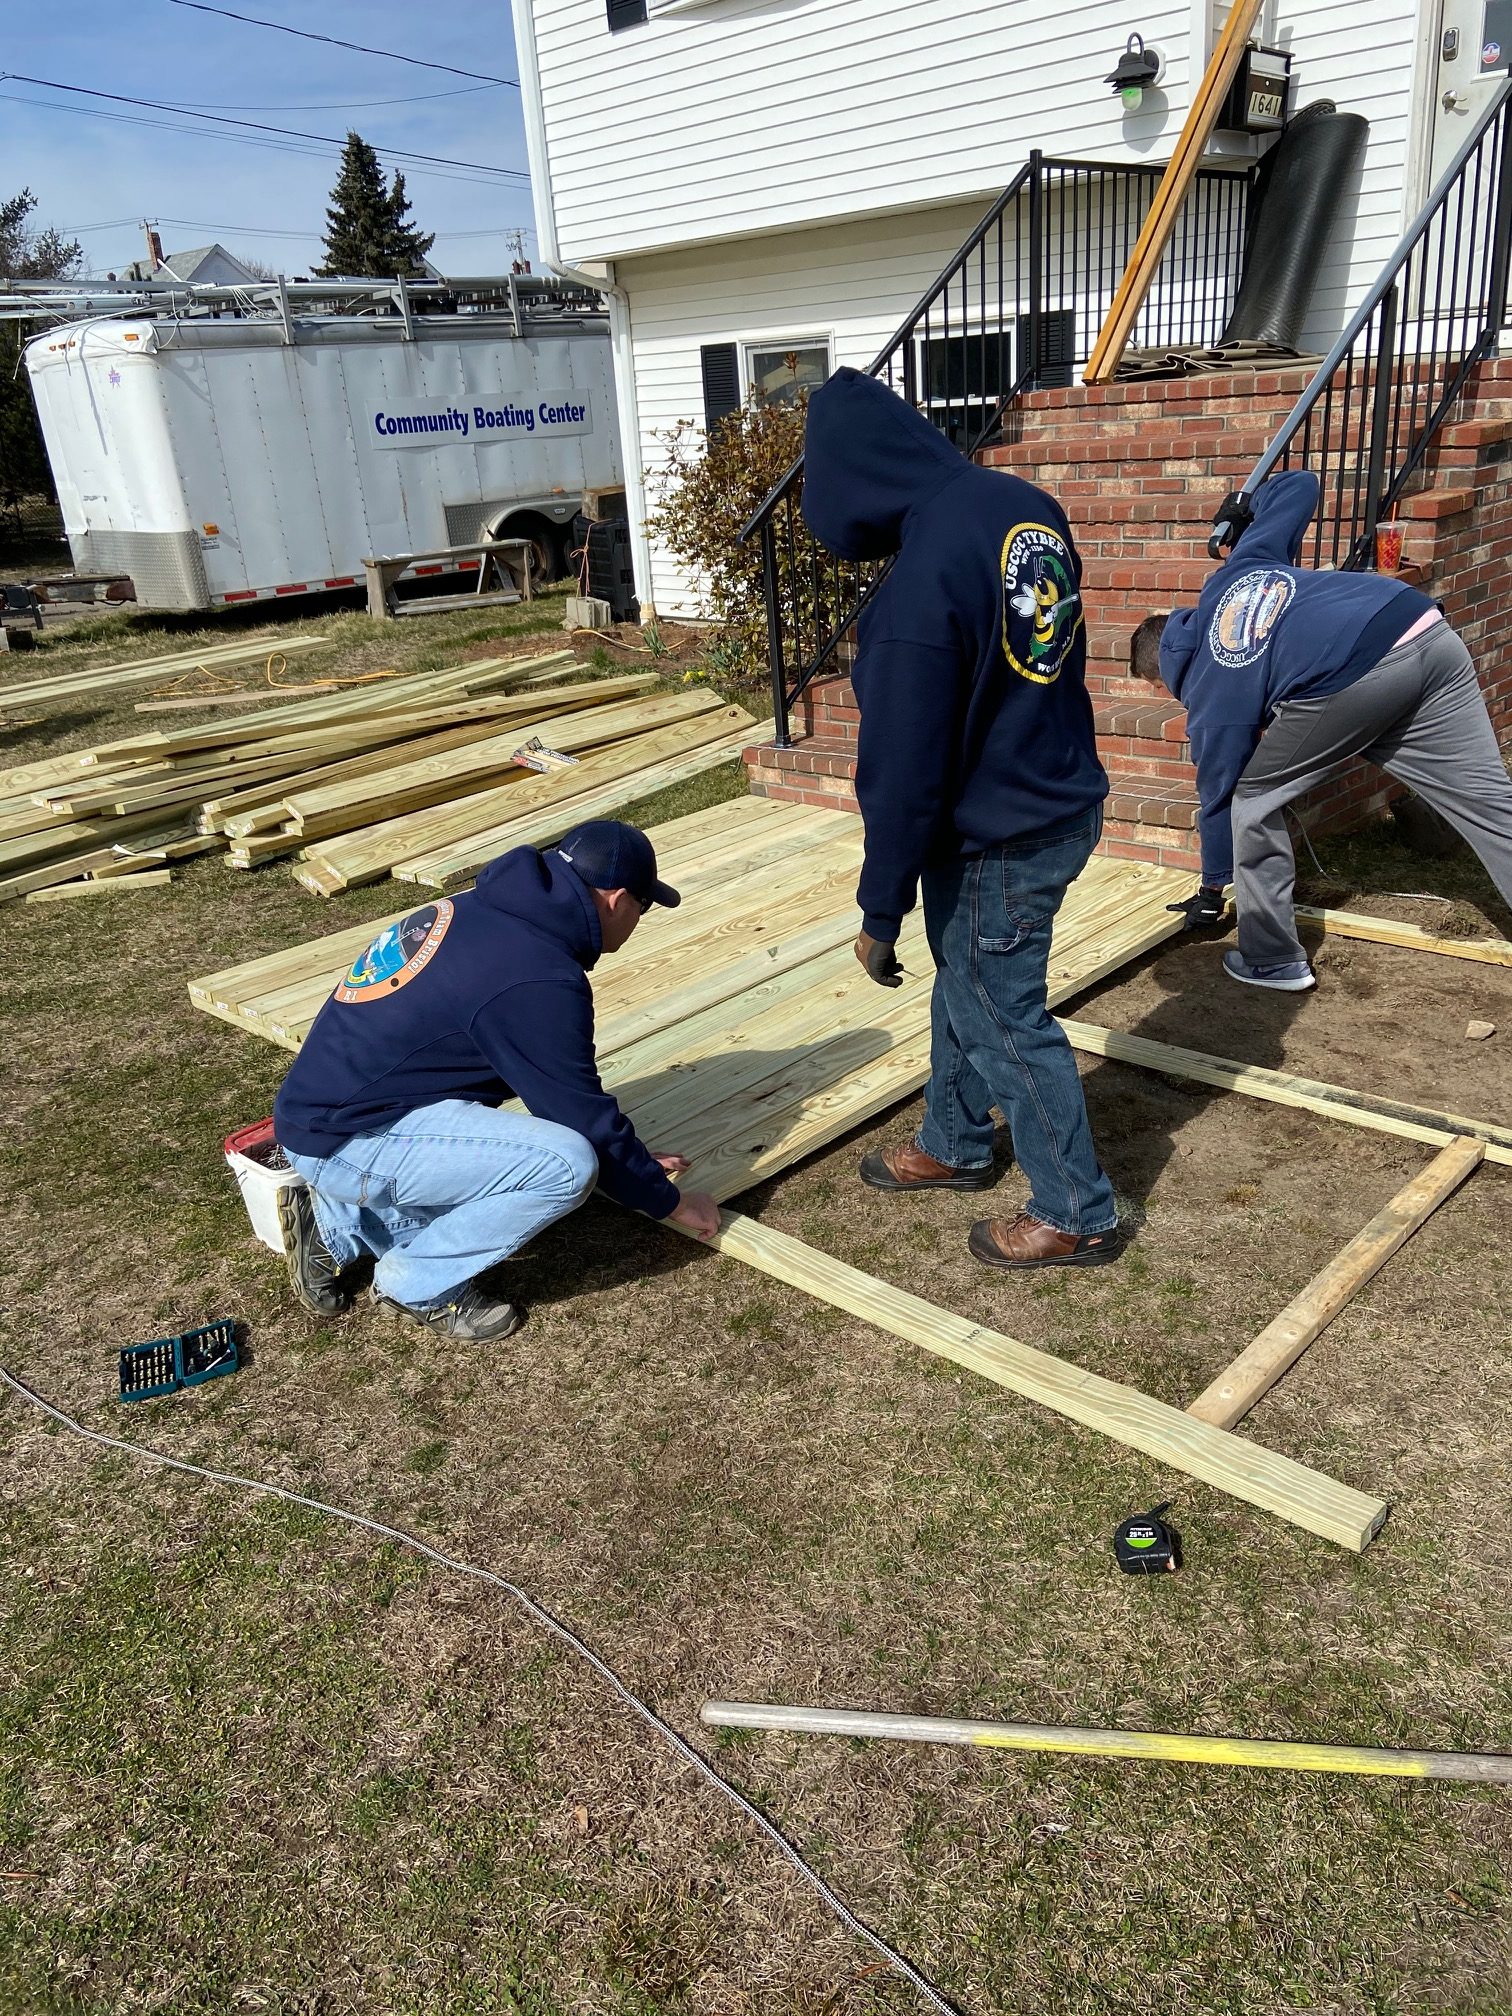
(704, 491)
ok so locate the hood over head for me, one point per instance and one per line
(868, 460)
(543, 892)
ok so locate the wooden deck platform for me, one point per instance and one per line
(739, 1029)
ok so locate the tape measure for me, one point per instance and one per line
(1146, 1545)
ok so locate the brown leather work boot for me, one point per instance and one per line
(905, 1166)
(1029, 1242)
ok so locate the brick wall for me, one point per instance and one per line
(1140, 470)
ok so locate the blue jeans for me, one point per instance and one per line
(445, 1193)
(988, 920)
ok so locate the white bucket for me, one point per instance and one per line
(252, 1156)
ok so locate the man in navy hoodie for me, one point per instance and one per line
(977, 776)
(1286, 673)
(390, 1111)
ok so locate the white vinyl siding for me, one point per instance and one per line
(739, 116)
(735, 117)
(849, 284)
(1363, 58)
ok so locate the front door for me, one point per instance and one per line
(1474, 53)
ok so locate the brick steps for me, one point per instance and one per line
(1140, 470)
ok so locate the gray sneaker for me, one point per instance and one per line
(322, 1283)
(1293, 978)
(471, 1314)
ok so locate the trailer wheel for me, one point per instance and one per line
(548, 544)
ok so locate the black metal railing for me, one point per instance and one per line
(1369, 417)
(1016, 309)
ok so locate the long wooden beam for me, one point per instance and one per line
(1283, 1340)
(1284, 1088)
(1160, 220)
(1410, 937)
(1274, 1483)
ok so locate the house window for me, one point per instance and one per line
(963, 378)
(779, 374)
(625, 14)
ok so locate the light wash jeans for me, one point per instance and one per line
(445, 1193)
(988, 920)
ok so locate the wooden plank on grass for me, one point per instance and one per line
(1170, 1437)
(1283, 1340)
(122, 885)
(252, 697)
(1410, 937)
(98, 680)
(1285, 1088)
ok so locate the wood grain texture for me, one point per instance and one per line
(1410, 937)
(1285, 1088)
(1170, 1437)
(1283, 1340)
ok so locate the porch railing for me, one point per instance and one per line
(1368, 419)
(1015, 310)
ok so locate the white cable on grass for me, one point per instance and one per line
(544, 1618)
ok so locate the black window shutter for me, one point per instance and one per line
(625, 14)
(1057, 345)
(721, 382)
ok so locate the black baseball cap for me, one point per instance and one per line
(608, 854)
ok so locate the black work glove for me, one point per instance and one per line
(1207, 907)
(880, 961)
(1231, 520)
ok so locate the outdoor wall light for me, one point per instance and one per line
(1137, 69)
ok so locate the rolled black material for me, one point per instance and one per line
(1300, 189)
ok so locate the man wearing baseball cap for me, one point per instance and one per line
(390, 1111)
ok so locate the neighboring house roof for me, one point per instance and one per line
(211, 265)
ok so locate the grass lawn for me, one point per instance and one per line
(251, 1759)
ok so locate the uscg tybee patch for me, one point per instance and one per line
(1247, 615)
(1042, 610)
(398, 954)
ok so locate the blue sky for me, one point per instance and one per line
(99, 178)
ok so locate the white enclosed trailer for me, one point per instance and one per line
(223, 445)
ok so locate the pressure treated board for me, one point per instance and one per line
(1283, 1340)
(1285, 1088)
(1410, 937)
(1243, 1469)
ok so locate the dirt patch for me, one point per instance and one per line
(678, 646)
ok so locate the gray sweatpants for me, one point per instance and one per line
(1420, 715)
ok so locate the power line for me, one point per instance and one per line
(420, 62)
(228, 139)
(245, 230)
(253, 125)
(350, 104)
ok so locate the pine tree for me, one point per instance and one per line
(25, 254)
(367, 232)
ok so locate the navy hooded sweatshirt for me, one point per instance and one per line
(1266, 631)
(472, 997)
(971, 668)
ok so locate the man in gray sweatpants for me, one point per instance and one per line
(1286, 674)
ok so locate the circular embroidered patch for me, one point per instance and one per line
(1247, 614)
(1042, 609)
(398, 954)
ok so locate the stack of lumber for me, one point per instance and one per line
(420, 774)
(37, 696)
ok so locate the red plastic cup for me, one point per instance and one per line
(1388, 548)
